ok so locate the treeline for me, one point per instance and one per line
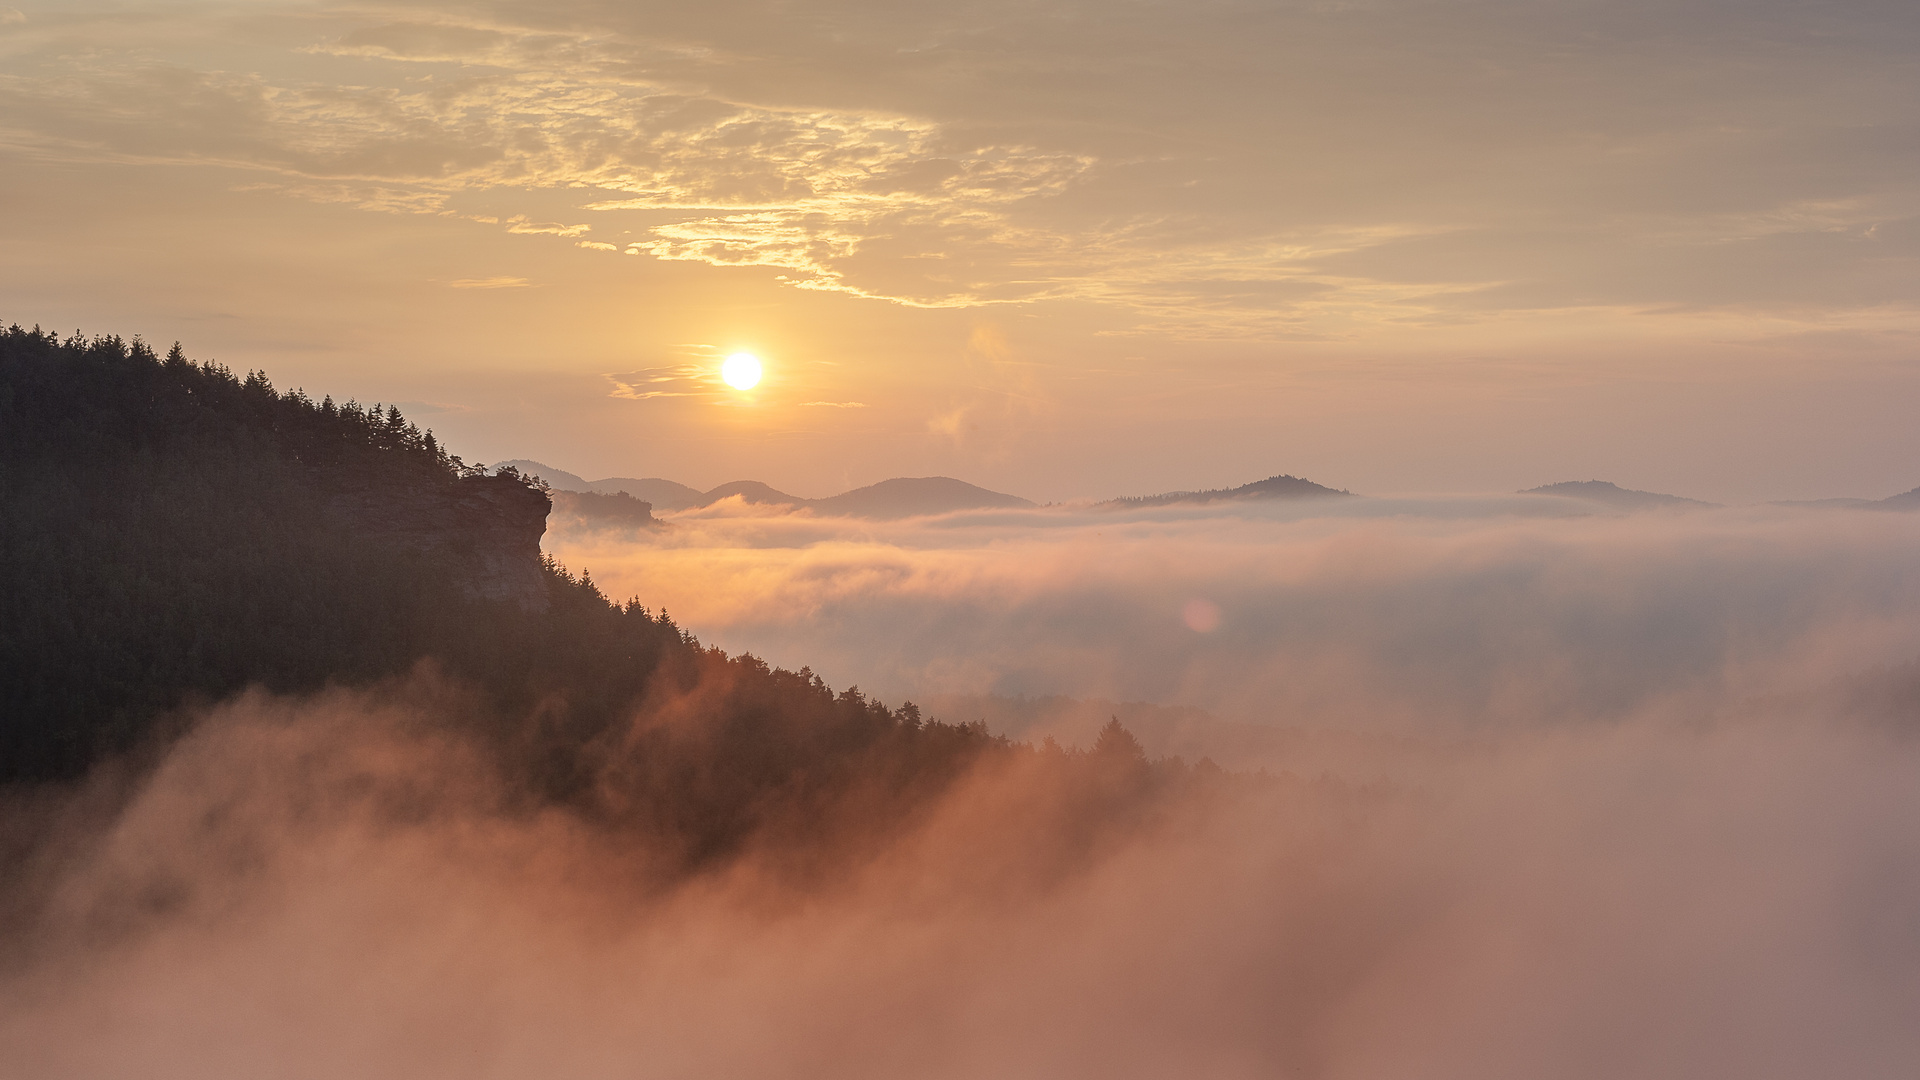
(162, 536)
(166, 540)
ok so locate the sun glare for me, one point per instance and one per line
(741, 371)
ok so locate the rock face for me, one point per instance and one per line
(485, 529)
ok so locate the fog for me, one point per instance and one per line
(1402, 616)
(1548, 796)
(309, 890)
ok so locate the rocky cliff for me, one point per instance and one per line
(485, 530)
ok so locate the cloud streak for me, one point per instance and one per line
(679, 380)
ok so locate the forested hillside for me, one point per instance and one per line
(171, 533)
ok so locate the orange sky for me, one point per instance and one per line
(1059, 249)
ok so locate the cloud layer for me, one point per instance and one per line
(1552, 795)
(1273, 171)
(1375, 614)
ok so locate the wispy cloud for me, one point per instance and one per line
(1322, 198)
(680, 380)
(492, 283)
(521, 224)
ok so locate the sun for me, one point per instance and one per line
(741, 371)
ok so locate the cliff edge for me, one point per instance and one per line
(484, 530)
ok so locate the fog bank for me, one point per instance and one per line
(1547, 796)
(1405, 616)
(329, 888)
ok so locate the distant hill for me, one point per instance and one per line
(557, 479)
(753, 491)
(1273, 487)
(916, 497)
(1607, 494)
(655, 492)
(1906, 500)
(660, 494)
(897, 498)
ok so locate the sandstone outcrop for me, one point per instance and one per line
(485, 529)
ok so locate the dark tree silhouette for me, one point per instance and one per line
(1116, 743)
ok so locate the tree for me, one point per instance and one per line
(1116, 743)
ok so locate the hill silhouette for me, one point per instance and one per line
(1273, 487)
(1906, 500)
(916, 497)
(1608, 494)
(660, 494)
(897, 498)
(750, 491)
(556, 479)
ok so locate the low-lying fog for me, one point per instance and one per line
(1557, 797)
(1385, 616)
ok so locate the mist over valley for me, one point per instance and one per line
(1057, 540)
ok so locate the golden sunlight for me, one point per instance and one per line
(741, 371)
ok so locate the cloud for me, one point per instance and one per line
(492, 283)
(710, 180)
(1384, 614)
(1300, 173)
(680, 380)
(520, 224)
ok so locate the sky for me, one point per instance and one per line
(1058, 249)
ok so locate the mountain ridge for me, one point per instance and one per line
(1608, 493)
(1906, 500)
(899, 497)
(1283, 486)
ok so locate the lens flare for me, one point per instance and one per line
(741, 371)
